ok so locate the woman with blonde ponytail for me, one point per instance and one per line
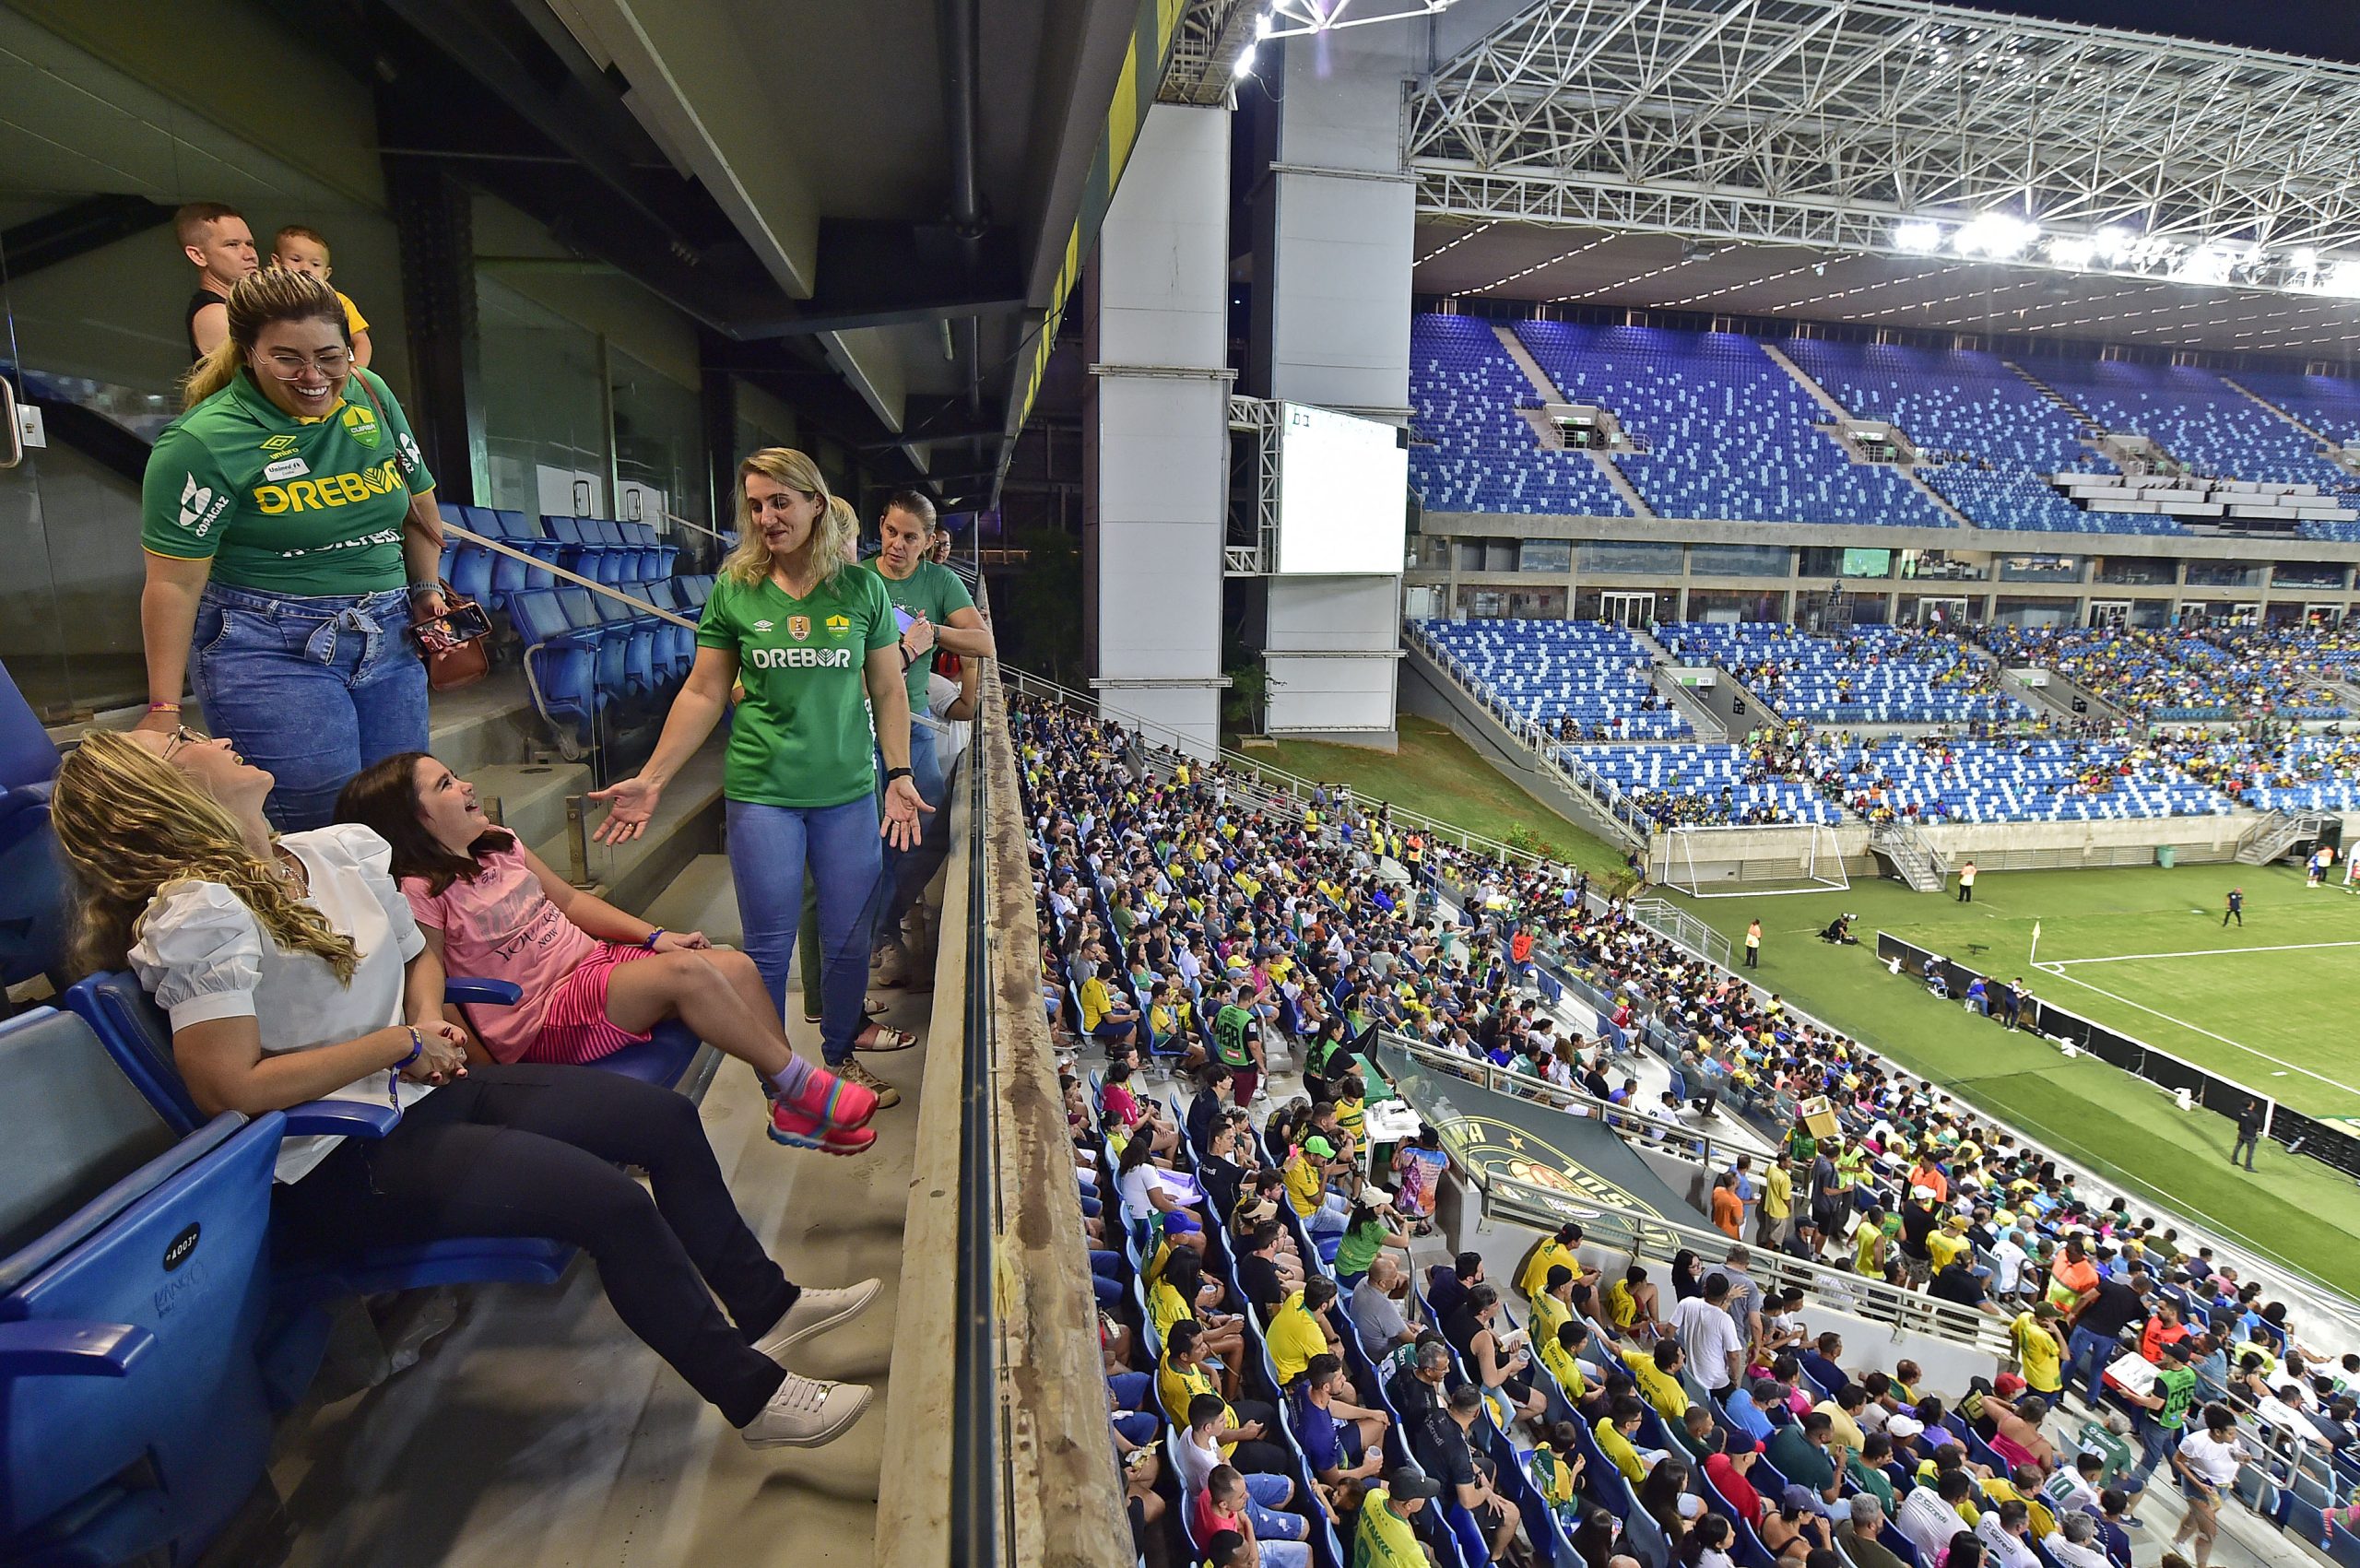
(291, 540)
(814, 642)
(293, 970)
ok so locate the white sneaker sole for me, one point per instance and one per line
(821, 1438)
(775, 1347)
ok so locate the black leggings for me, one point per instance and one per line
(534, 1151)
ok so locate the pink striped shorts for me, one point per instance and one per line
(576, 1029)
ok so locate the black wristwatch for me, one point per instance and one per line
(892, 773)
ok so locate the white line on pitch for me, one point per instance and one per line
(2058, 969)
(2054, 964)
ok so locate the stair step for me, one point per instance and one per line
(687, 824)
(483, 725)
(531, 795)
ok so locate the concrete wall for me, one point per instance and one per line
(1156, 427)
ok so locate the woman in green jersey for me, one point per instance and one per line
(292, 539)
(815, 644)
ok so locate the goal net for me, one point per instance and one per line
(1724, 862)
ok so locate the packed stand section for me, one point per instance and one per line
(2275, 772)
(1985, 438)
(1268, 1349)
(1868, 675)
(2214, 428)
(2170, 677)
(1478, 453)
(1714, 784)
(1944, 779)
(1575, 680)
(1725, 433)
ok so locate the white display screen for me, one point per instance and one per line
(1343, 494)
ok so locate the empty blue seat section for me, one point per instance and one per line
(2211, 427)
(1475, 452)
(1727, 433)
(1545, 671)
(1869, 675)
(140, 1351)
(1989, 437)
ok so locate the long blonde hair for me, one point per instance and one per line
(834, 533)
(132, 825)
(260, 298)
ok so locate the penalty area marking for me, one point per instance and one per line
(2057, 968)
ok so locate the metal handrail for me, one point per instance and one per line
(1642, 1230)
(500, 547)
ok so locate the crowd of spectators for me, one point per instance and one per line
(2173, 675)
(1399, 1408)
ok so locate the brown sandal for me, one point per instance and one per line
(879, 1037)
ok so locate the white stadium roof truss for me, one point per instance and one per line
(1829, 122)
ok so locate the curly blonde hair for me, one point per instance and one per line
(131, 826)
(834, 533)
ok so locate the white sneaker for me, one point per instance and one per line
(815, 1312)
(807, 1412)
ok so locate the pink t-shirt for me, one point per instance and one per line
(502, 927)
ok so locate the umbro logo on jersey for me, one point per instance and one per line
(761, 626)
(278, 444)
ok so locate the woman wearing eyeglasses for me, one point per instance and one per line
(291, 541)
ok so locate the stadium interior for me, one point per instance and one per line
(1827, 448)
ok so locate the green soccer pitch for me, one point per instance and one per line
(2143, 951)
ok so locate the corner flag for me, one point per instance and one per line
(2036, 942)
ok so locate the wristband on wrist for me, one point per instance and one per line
(649, 943)
(418, 588)
(892, 773)
(163, 707)
(417, 1049)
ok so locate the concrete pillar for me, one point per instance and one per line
(1335, 219)
(1156, 428)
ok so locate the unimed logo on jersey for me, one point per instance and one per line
(799, 658)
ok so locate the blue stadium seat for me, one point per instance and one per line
(469, 567)
(560, 663)
(32, 882)
(136, 1317)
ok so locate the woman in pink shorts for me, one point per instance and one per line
(594, 978)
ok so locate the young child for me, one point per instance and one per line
(493, 911)
(215, 238)
(298, 249)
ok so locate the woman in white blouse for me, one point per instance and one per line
(292, 970)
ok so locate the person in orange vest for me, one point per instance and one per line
(1520, 949)
(1754, 944)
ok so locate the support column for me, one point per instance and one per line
(1332, 312)
(434, 216)
(1155, 424)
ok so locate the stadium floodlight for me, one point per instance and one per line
(2205, 264)
(2002, 236)
(1246, 59)
(2110, 242)
(1917, 236)
(2073, 251)
(2341, 279)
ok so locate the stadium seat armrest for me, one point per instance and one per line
(487, 993)
(71, 1350)
(341, 1118)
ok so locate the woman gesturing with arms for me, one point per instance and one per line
(815, 646)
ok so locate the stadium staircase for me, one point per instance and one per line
(1550, 436)
(2276, 833)
(1828, 401)
(1912, 855)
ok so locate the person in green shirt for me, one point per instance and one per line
(1366, 1233)
(291, 541)
(811, 639)
(941, 617)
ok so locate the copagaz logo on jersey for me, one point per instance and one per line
(799, 658)
(200, 508)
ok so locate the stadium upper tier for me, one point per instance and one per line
(2168, 677)
(1871, 675)
(1727, 433)
(1591, 675)
(1992, 438)
(1719, 431)
(1484, 456)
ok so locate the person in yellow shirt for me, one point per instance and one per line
(1945, 1245)
(1777, 1210)
(1614, 1432)
(1298, 1331)
(1384, 1537)
(1561, 1353)
(2038, 1348)
(1551, 1252)
(1657, 1373)
(1553, 1305)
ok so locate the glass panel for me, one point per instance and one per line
(2033, 612)
(544, 408)
(1645, 558)
(2223, 574)
(1942, 566)
(659, 452)
(2136, 570)
(1729, 606)
(1537, 604)
(1741, 560)
(1832, 561)
(1546, 555)
(2040, 568)
(2307, 575)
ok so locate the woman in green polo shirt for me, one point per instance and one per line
(285, 515)
(814, 642)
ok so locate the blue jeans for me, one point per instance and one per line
(768, 848)
(2097, 1350)
(1263, 1495)
(2156, 1446)
(920, 859)
(312, 689)
(1329, 1218)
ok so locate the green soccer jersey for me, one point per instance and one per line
(932, 591)
(802, 737)
(284, 505)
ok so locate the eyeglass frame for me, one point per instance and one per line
(182, 736)
(269, 364)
